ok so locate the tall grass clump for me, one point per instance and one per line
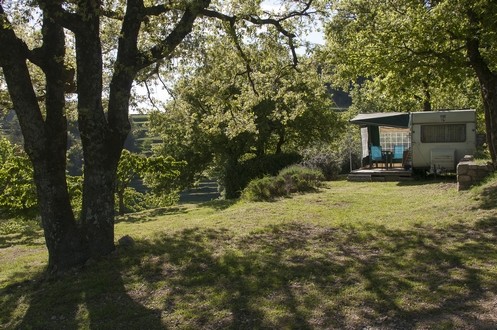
(290, 180)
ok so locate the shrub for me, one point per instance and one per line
(328, 163)
(260, 189)
(236, 178)
(301, 179)
(290, 180)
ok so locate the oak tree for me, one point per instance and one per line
(248, 101)
(73, 40)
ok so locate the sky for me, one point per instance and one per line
(316, 36)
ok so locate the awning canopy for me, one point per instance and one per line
(390, 119)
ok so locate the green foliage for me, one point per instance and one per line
(247, 100)
(301, 179)
(325, 160)
(412, 54)
(135, 201)
(17, 190)
(336, 158)
(75, 190)
(130, 166)
(290, 180)
(263, 189)
(161, 176)
(236, 178)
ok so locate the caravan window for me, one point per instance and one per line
(443, 133)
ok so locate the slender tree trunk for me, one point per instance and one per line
(281, 140)
(231, 178)
(120, 200)
(489, 94)
(427, 97)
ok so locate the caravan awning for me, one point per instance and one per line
(390, 119)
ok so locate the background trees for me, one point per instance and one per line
(418, 54)
(17, 192)
(243, 103)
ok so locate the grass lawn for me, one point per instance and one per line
(410, 255)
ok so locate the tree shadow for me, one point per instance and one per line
(292, 276)
(427, 181)
(150, 215)
(488, 197)
(219, 204)
(298, 276)
(28, 236)
(92, 298)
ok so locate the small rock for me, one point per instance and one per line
(126, 241)
(90, 262)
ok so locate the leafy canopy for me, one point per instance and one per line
(410, 54)
(248, 98)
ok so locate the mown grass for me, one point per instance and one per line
(354, 255)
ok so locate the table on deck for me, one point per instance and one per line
(388, 155)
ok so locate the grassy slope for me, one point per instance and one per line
(386, 255)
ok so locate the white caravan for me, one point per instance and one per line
(435, 140)
(439, 139)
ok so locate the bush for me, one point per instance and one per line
(290, 180)
(236, 178)
(328, 163)
(260, 189)
(301, 179)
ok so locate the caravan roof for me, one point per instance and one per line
(392, 119)
(404, 119)
(448, 116)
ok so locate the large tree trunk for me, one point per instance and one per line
(488, 88)
(231, 178)
(45, 140)
(66, 245)
(100, 155)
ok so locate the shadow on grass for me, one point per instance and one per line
(150, 215)
(95, 298)
(300, 276)
(295, 276)
(428, 181)
(488, 197)
(219, 204)
(26, 233)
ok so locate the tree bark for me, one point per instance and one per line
(488, 89)
(232, 178)
(101, 152)
(45, 139)
(426, 97)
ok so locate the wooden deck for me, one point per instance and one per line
(380, 174)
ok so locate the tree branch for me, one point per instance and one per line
(180, 31)
(264, 21)
(68, 20)
(236, 41)
(149, 95)
(156, 10)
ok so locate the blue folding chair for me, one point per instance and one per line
(398, 154)
(375, 155)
